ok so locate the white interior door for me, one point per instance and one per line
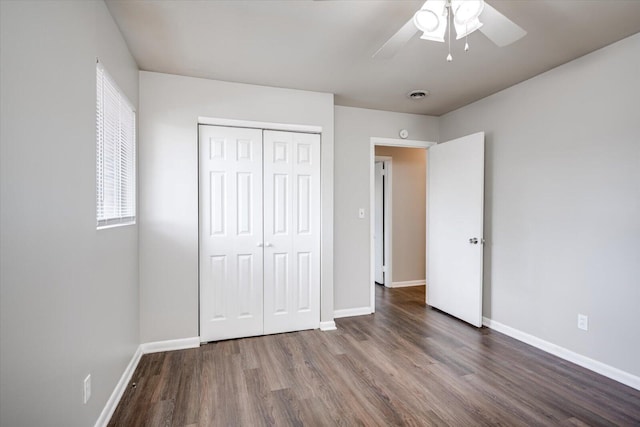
(455, 203)
(231, 233)
(378, 235)
(291, 231)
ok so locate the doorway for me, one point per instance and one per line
(389, 232)
(454, 219)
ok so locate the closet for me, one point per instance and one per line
(259, 226)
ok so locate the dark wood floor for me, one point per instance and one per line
(405, 365)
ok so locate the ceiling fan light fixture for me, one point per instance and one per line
(430, 20)
(426, 20)
(498, 28)
(465, 11)
(465, 30)
(433, 37)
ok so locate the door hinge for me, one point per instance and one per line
(384, 268)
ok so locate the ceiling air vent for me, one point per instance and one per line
(418, 94)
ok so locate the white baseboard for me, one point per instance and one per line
(563, 353)
(146, 348)
(170, 345)
(328, 326)
(118, 391)
(349, 312)
(408, 283)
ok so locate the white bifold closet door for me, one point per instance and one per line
(291, 231)
(231, 234)
(259, 232)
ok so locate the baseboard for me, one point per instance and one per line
(349, 312)
(408, 283)
(328, 326)
(170, 345)
(146, 348)
(593, 365)
(118, 391)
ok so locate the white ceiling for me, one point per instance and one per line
(326, 46)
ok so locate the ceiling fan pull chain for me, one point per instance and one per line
(466, 37)
(449, 57)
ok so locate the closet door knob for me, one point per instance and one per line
(268, 244)
(259, 245)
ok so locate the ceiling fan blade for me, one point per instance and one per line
(498, 28)
(397, 41)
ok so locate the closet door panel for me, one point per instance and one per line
(231, 232)
(292, 231)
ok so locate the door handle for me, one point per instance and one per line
(473, 240)
(268, 245)
(260, 245)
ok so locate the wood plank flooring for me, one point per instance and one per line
(407, 364)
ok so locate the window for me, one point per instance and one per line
(115, 154)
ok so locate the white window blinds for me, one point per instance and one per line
(115, 153)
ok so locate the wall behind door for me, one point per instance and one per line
(168, 170)
(409, 218)
(562, 203)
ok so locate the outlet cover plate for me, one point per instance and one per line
(583, 322)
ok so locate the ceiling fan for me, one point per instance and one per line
(436, 16)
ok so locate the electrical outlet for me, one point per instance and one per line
(87, 389)
(583, 322)
(361, 213)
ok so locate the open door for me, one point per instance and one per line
(455, 204)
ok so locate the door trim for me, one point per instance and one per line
(259, 125)
(387, 208)
(390, 142)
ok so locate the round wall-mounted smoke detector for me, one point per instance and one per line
(418, 94)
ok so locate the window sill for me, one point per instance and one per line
(115, 225)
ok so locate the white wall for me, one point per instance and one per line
(69, 293)
(408, 246)
(169, 110)
(354, 129)
(562, 218)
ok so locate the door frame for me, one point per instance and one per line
(387, 208)
(388, 142)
